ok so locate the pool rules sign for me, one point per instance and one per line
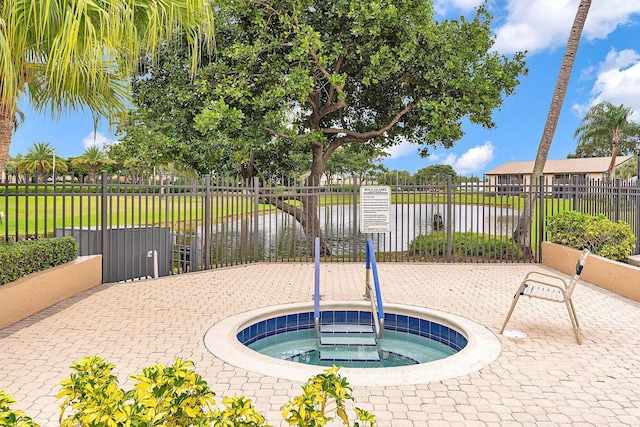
(375, 209)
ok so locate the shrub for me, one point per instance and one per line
(173, 395)
(465, 245)
(609, 239)
(178, 396)
(325, 390)
(13, 417)
(28, 256)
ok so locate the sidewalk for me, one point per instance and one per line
(545, 378)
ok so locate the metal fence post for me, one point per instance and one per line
(617, 190)
(356, 191)
(256, 217)
(449, 221)
(542, 211)
(106, 274)
(638, 212)
(576, 199)
(207, 222)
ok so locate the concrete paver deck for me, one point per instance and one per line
(545, 378)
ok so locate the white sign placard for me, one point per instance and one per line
(375, 209)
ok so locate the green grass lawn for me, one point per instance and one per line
(40, 215)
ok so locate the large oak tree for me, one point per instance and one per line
(305, 76)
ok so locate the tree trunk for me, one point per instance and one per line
(522, 233)
(611, 171)
(311, 224)
(6, 132)
(615, 140)
(307, 213)
(310, 202)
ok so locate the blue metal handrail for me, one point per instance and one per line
(376, 298)
(316, 293)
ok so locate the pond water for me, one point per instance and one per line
(281, 235)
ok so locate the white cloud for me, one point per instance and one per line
(433, 158)
(401, 150)
(617, 81)
(537, 25)
(606, 16)
(444, 6)
(622, 59)
(95, 138)
(450, 159)
(474, 160)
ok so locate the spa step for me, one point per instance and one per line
(343, 342)
(345, 329)
(350, 353)
(348, 339)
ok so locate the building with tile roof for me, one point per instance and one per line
(513, 177)
(560, 171)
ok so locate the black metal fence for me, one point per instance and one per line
(160, 225)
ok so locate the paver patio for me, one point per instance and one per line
(543, 379)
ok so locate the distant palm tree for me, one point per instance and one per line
(628, 169)
(93, 158)
(605, 121)
(134, 165)
(522, 233)
(39, 160)
(11, 167)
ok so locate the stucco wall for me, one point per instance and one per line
(37, 291)
(623, 279)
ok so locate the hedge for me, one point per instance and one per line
(28, 256)
(609, 239)
(465, 245)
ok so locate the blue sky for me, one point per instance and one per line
(607, 68)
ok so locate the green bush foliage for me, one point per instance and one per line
(12, 417)
(28, 256)
(178, 396)
(609, 239)
(465, 245)
(173, 396)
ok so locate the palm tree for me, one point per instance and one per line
(11, 166)
(134, 165)
(627, 170)
(522, 233)
(605, 121)
(62, 54)
(93, 158)
(40, 160)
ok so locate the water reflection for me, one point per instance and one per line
(279, 235)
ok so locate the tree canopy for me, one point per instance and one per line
(358, 161)
(437, 173)
(302, 78)
(355, 72)
(294, 80)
